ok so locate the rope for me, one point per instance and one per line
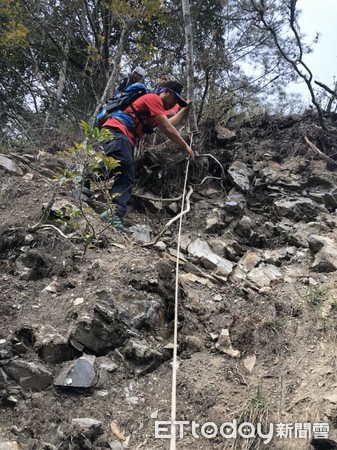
(175, 334)
(223, 175)
(174, 219)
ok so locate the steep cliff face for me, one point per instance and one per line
(87, 329)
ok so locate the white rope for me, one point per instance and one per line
(175, 334)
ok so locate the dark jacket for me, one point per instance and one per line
(127, 81)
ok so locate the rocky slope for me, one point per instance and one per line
(86, 336)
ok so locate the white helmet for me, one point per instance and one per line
(140, 71)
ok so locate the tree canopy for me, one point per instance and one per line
(60, 60)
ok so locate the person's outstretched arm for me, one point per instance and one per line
(165, 125)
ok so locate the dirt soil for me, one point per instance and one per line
(285, 333)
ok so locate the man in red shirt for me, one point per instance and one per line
(145, 113)
(163, 79)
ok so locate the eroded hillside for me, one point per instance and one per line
(86, 336)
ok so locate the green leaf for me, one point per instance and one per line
(96, 134)
(105, 134)
(110, 162)
(85, 126)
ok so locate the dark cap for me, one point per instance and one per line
(176, 88)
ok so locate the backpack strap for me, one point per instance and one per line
(126, 119)
(148, 129)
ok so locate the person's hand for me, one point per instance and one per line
(190, 152)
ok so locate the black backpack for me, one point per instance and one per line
(119, 102)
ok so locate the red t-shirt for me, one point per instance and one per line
(150, 103)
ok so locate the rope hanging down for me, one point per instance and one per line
(175, 332)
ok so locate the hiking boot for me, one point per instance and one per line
(107, 216)
(115, 222)
(118, 224)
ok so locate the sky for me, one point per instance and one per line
(319, 16)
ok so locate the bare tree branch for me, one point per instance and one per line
(260, 9)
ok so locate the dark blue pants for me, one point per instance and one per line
(119, 147)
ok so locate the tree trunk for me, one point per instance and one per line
(117, 59)
(192, 121)
(52, 113)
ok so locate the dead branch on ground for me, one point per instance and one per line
(320, 153)
(174, 219)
